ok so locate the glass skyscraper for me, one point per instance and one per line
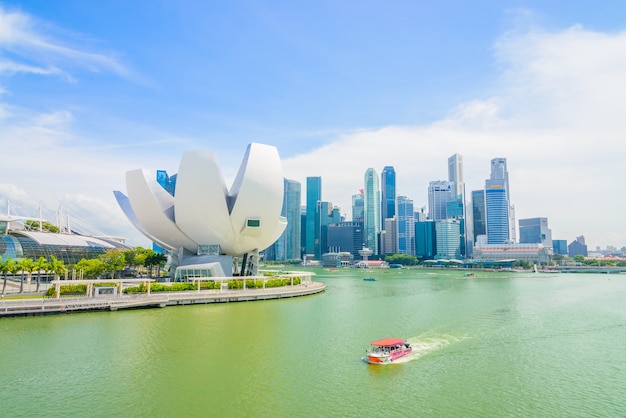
(406, 227)
(291, 211)
(372, 201)
(478, 213)
(455, 175)
(440, 192)
(497, 203)
(357, 207)
(313, 197)
(388, 191)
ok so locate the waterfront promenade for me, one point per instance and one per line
(58, 305)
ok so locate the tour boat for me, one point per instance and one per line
(388, 350)
(370, 279)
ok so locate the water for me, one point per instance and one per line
(496, 344)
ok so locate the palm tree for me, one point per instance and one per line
(7, 266)
(26, 265)
(40, 264)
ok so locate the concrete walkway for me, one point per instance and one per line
(46, 306)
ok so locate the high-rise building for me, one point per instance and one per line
(497, 204)
(371, 213)
(326, 214)
(388, 192)
(425, 240)
(291, 211)
(535, 231)
(447, 232)
(313, 197)
(357, 207)
(440, 192)
(479, 216)
(406, 228)
(345, 237)
(389, 237)
(455, 175)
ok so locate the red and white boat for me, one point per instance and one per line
(388, 350)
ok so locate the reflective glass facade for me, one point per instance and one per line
(388, 191)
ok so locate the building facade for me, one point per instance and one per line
(371, 196)
(497, 204)
(313, 197)
(406, 226)
(388, 191)
(535, 231)
(440, 192)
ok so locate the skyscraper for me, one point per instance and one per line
(497, 203)
(291, 211)
(406, 226)
(388, 191)
(478, 213)
(455, 175)
(167, 182)
(313, 196)
(357, 207)
(371, 213)
(440, 192)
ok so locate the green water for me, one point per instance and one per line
(496, 344)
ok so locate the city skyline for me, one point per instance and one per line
(336, 87)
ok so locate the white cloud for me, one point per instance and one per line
(30, 46)
(556, 115)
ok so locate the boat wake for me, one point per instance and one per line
(426, 345)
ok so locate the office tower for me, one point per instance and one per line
(389, 237)
(291, 211)
(425, 240)
(167, 182)
(357, 207)
(535, 231)
(497, 205)
(455, 175)
(559, 246)
(371, 211)
(479, 218)
(440, 192)
(388, 191)
(326, 214)
(345, 237)
(313, 196)
(406, 228)
(447, 233)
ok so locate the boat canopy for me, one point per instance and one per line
(388, 342)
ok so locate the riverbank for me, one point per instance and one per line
(50, 306)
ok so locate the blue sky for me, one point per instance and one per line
(89, 90)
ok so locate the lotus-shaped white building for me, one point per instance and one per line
(205, 220)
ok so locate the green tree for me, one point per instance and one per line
(155, 260)
(7, 266)
(114, 260)
(56, 266)
(39, 265)
(404, 259)
(90, 268)
(26, 265)
(579, 258)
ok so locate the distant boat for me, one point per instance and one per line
(370, 279)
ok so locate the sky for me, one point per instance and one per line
(90, 90)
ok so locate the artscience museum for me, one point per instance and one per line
(207, 227)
